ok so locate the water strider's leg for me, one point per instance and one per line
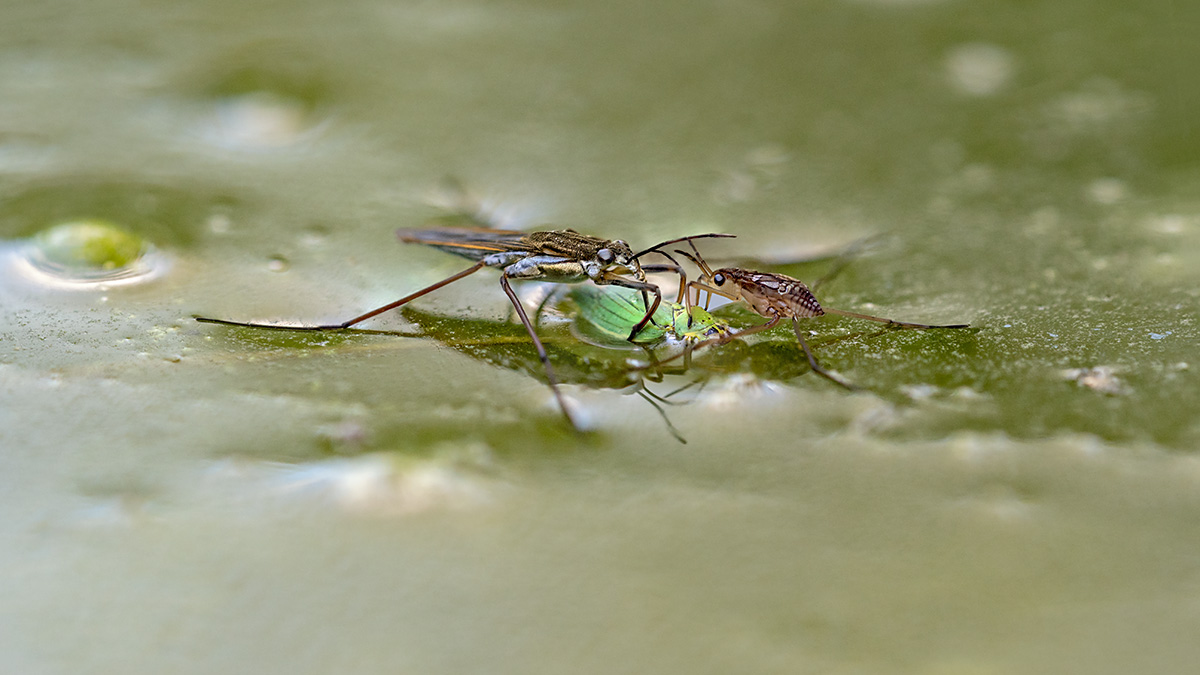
(358, 319)
(670, 267)
(649, 397)
(645, 287)
(537, 313)
(730, 337)
(812, 360)
(892, 323)
(700, 286)
(541, 350)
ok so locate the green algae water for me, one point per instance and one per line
(1023, 497)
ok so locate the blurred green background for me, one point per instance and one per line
(185, 498)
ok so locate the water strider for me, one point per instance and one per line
(559, 256)
(775, 297)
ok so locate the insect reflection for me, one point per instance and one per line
(558, 256)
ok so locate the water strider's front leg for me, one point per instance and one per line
(671, 267)
(644, 287)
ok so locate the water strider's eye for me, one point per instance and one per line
(718, 279)
(606, 256)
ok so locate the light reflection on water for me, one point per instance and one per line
(800, 529)
(375, 485)
(259, 121)
(32, 263)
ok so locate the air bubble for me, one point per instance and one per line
(89, 253)
(260, 120)
(979, 69)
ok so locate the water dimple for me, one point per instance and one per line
(219, 223)
(171, 217)
(313, 237)
(268, 98)
(278, 263)
(90, 252)
(259, 120)
(979, 69)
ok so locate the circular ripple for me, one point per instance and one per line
(83, 232)
(90, 253)
(267, 97)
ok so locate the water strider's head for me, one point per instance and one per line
(617, 254)
(605, 258)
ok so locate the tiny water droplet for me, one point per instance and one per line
(278, 263)
(980, 69)
(312, 239)
(259, 120)
(219, 223)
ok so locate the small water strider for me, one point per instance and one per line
(559, 256)
(775, 297)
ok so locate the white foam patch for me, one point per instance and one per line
(979, 69)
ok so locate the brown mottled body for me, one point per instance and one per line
(776, 297)
(770, 294)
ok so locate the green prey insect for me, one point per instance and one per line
(558, 256)
(612, 312)
(775, 297)
(608, 313)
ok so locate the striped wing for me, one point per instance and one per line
(475, 243)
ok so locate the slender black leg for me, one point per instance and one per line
(812, 360)
(892, 323)
(663, 414)
(655, 248)
(699, 286)
(358, 319)
(645, 287)
(670, 267)
(537, 314)
(729, 337)
(541, 350)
